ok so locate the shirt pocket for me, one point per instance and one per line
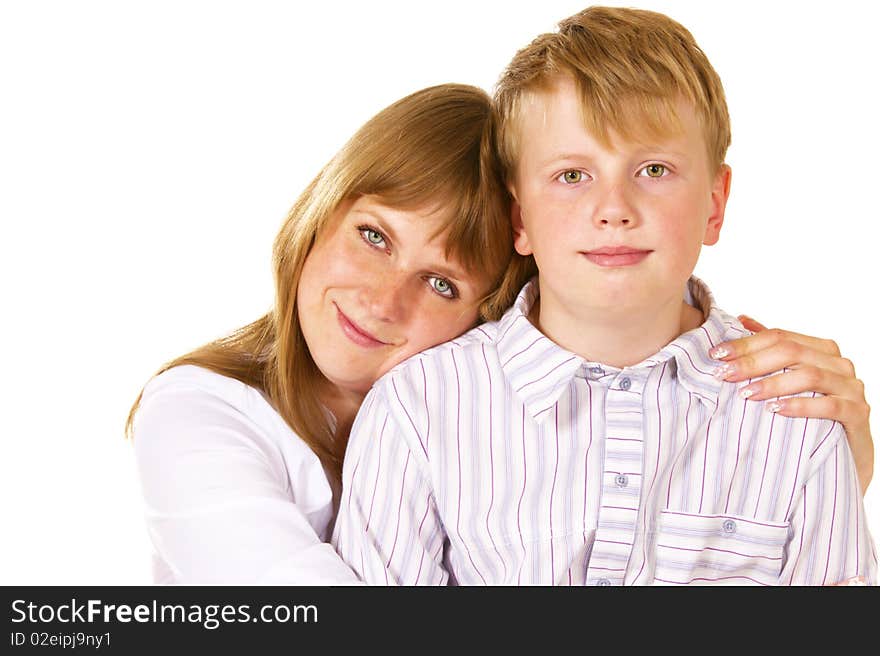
(694, 549)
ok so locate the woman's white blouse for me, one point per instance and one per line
(232, 494)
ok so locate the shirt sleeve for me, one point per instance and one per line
(388, 529)
(218, 506)
(829, 542)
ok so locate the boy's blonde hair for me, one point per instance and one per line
(630, 66)
(434, 149)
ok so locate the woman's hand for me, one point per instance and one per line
(815, 365)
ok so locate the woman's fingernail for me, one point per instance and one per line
(773, 406)
(748, 391)
(719, 352)
(725, 370)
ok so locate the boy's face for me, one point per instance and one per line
(613, 229)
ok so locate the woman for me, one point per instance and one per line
(400, 243)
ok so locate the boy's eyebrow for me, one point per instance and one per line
(661, 149)
(561, 157)
(646, 149)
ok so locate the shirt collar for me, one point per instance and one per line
(690, 351)
(539, 370)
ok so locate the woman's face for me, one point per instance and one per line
(377, 288)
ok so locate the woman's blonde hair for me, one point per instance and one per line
(432, 148)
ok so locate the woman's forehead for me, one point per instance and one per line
(410, 209)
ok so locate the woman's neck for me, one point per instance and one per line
(343, 405)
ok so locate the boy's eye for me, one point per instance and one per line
(442, 287)
(654, 170)
(372, 237)
(571, 177)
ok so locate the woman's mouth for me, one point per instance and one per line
(355, 333)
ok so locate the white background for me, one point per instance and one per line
(149, 152)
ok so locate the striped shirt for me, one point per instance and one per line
(500, 458)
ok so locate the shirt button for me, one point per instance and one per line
(603, 582)
(622, 480)
(729, 526)
(625, 384)
(597, 371)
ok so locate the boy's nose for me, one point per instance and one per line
(614, 209)
(613, 220)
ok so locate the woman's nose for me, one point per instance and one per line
(385, 297)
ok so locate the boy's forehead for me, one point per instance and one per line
(632, 120)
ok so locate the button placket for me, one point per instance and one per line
(622, 477)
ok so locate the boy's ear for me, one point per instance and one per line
(720, 193)
(520, 238)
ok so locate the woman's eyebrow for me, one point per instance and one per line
(455, 273)
(380, 221)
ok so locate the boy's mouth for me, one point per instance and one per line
(616, 256)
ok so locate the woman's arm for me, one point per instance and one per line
(814, 365)
(224, 501)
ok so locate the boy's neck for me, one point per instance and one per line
(615, 338)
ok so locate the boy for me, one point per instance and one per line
(583, 438)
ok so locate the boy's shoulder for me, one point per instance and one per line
(480, 339)
(816, 437)
(696, 371)
(731, 328)
(717, 328)
(414, 393)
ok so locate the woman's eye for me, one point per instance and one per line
(571, 177)
(442, 286)
(654, 170)
(372, 237)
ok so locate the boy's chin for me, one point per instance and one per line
(627, 299)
